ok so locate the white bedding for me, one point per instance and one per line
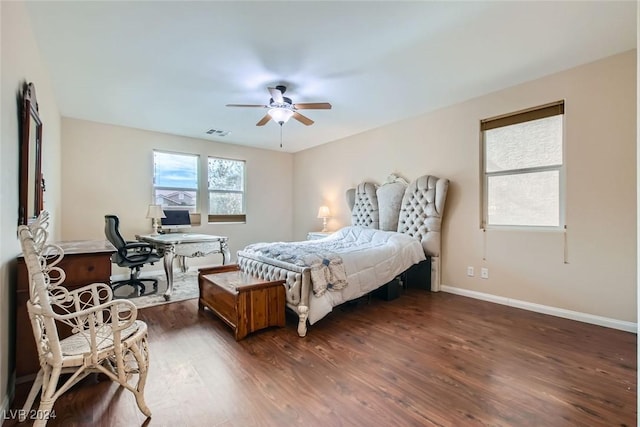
(370, 257)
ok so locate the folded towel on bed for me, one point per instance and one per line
(327, 269)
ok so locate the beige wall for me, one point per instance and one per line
(109, 169)
(21, 62)
(600, 278)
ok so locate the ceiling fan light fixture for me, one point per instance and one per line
(280, 115)
(280, 108)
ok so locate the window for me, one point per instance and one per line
(524, 168)
(175, 180)
(226, 190)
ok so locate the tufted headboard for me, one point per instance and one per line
(363, 202)
(415, 209)
(421, 216)
(421, 211)
(390, 196)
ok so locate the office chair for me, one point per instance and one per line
(130, 254)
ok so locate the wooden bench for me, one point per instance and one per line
(244, 302)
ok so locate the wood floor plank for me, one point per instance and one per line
(422, 359)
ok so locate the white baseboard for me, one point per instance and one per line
(545, 309)
(151, 273)
(6, 401)
(4, 408)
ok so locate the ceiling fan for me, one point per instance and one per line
(282, 108)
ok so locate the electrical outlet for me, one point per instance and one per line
(470, 272)
(484, 273)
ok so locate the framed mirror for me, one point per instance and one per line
(31, 183)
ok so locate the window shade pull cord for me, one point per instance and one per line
(484, 244)
(566, 245)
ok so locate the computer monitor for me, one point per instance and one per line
(175, 219)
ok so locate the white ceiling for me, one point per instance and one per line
(171, 66)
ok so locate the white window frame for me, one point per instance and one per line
(514, 118)
(192, 209)
(228, 218)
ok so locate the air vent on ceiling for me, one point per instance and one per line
(218, 132)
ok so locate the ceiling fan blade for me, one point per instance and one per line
(276, 95)
(263, 121)
(247, 105)
(313, 106)
(302, 119)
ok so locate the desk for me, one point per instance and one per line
(184, 245)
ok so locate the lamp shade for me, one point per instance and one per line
(280, 115)
(155, 211)
(324, 212)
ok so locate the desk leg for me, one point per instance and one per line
(182, 262)
(169, 254)
(226, 255)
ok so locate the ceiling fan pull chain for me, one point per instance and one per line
(280, 134)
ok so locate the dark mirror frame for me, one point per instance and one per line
(30, 190)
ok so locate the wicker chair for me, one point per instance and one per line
(105, 335)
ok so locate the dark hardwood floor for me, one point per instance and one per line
(422, 359)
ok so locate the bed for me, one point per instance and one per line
(395, 226)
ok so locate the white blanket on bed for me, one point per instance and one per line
(370, 259)
(327, 269)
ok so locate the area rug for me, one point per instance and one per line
(185, 286)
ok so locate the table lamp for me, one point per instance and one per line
(155, 212)
(324, 213)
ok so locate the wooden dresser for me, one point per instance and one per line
(84, 262)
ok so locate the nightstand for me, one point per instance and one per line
(313, 235)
